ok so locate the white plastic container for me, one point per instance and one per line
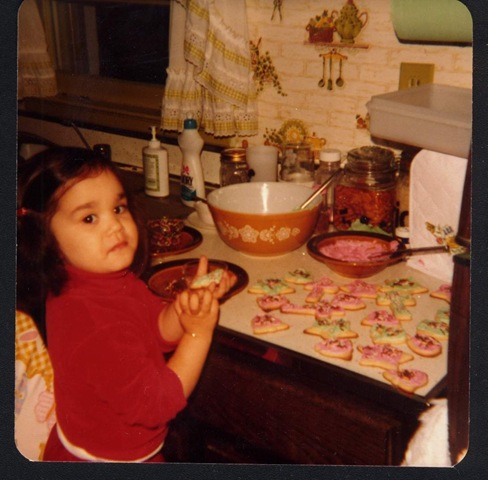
(192, 181)
(155, 162)
(432, 117)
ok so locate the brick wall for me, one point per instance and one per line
(367, 72)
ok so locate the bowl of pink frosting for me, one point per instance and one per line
(354, 254)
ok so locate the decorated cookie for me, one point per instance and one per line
(443, 292)
(315, 294)
(271, 286)
(404, 286)
(438, 329)
(392, 335)
(325, 311)
(424, 345)
(215, 276)
(398, 304)
(325, 283)
(299, 276)
(382, 317)
(267, 323)
(407, 380)
(335, 328)
(348, 302)
(305, 309)
(382, 356)
(361, 289)
(443, 315)
(335, 348)
(271, 302)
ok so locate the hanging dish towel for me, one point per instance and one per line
(210, 74)
(436, 188)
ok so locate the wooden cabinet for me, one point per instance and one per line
(256, 404)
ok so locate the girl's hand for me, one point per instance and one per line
(198, 311)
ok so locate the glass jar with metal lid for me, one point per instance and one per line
(366, 192)
(233, 166)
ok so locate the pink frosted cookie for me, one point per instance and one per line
(348, 302)
(325, 311)
(299, 276)
(266, 323)
(407, 380)
(361, 289)
(379, 317)
(382, 356)
(325, 284)
(404, 286)
(337, 328)
(271, 286)
(306, 309)
(392, 335)
(424, 345)
(271, 302)
(443, 292)
(398, 304)
(335, 348)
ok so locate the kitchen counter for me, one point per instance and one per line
(272, 399)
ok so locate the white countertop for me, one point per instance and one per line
(237, 312)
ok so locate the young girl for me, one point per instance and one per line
(81, 248)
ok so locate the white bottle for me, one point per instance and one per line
(155, 161)
(192, 181)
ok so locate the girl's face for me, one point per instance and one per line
(93, 226)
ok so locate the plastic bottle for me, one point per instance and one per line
(191, 144)
(155, 161)
(330, 162)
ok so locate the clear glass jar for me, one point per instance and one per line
(298, 164)
(233, 166)
(366, 191)
(330, 162)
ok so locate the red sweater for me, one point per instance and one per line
(114, 393)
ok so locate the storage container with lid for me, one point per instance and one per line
(233, 166)
(365, 195)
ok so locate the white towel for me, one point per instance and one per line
(436, 188)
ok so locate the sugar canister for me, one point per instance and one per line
(366, 192)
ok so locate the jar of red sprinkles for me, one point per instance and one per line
(366, 193)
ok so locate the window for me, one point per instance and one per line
(111, 58)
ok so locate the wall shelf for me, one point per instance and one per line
(338, 45)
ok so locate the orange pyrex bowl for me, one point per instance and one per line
(262, 218)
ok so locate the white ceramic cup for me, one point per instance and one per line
(263, 161)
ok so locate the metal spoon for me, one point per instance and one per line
(407, 252)
(329, 81)
(319, 190)
(340, 80)
(322, 81)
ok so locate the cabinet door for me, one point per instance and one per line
(273, 417)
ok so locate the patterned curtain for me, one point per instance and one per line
(209, 74)
(36, 76)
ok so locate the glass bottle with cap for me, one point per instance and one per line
(365, 196)
(233, 166)
(330, 162)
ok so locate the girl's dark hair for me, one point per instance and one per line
(42, 181)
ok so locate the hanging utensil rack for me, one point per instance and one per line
(332, 55)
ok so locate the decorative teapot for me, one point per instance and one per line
(349, 23)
